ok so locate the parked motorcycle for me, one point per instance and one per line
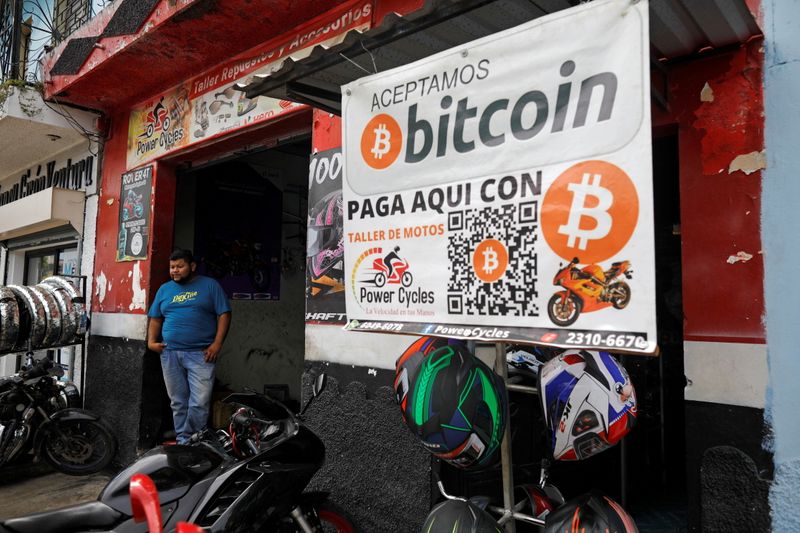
(249, 478)
(588, 289)
(34, 416)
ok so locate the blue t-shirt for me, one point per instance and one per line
(190, 312)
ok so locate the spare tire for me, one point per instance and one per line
(9, 320)
(52, 335)
(37, 318)
(69, 298)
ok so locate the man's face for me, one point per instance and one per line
(180, 271)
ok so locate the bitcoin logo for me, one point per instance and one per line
(590, 212)
(578, 210)
(490, 260)
(381, 141)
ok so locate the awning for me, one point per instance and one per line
(677, 28)
(41, 211)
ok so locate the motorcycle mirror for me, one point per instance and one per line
(144, 502)
(319, 384)
(186, 527)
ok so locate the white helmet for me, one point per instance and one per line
(588, 401)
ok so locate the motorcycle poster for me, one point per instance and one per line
(134, 214)
(498, 195)
(325, 240)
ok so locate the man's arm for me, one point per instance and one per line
(153, 333)
(223, 323)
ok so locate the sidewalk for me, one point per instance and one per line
(31, 488)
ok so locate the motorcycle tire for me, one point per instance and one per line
(78, 447)
(334, 519)
(380, 279)
(407, 279)
(621, 301)
(573, 315)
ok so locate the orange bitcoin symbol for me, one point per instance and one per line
(381, 141)
(590, 211)
(490, 260)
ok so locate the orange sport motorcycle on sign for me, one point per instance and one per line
(588, 289)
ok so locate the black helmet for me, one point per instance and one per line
(590, 513)
(407, 365)
(459, 516)
(454, 403)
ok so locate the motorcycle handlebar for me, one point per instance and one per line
(38, 370)
(243, 419)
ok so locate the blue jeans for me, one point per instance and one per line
(190, 381)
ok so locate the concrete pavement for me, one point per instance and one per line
(31, 488)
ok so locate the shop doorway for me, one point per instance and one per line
(244, 217)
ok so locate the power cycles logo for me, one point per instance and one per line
(384, 276)
(161, 125)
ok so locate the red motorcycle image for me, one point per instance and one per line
(392, 269)
(157, 119)
(588, 289)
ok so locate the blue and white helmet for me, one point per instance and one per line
(589, 403)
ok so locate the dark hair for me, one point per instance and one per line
(180, 253)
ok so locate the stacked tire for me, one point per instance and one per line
(47, 315)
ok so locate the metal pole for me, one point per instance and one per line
(15, 72)
(505, 446)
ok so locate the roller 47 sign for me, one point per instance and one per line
(495, 193)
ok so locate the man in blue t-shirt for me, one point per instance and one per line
(189, 319)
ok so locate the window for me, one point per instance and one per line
(40, 264)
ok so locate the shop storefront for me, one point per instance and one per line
(47, 201)
(242, 163)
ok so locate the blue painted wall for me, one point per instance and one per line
(781, 238)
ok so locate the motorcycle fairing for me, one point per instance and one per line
(174, 469)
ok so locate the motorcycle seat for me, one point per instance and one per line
(90, 516)
(5, 383)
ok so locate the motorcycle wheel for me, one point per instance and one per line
(563, 314)
(620, 294)
(78, 447)
(334, 519)
(380, 279)
(406, 279)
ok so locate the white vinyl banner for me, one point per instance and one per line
(502, 190)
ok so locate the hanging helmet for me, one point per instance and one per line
(539, 501)
(590, 513)
(407, 365)
(454, 403)
(459, 516)
(588, 401)
(326, 239)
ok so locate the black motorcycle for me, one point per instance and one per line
(249, 478)
(34, 415)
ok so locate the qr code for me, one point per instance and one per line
(514, 293)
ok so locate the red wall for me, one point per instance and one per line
(119, 275)
(720, 209)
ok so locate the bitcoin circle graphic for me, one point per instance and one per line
(381, 141)
(590, 212)
(490, 260)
